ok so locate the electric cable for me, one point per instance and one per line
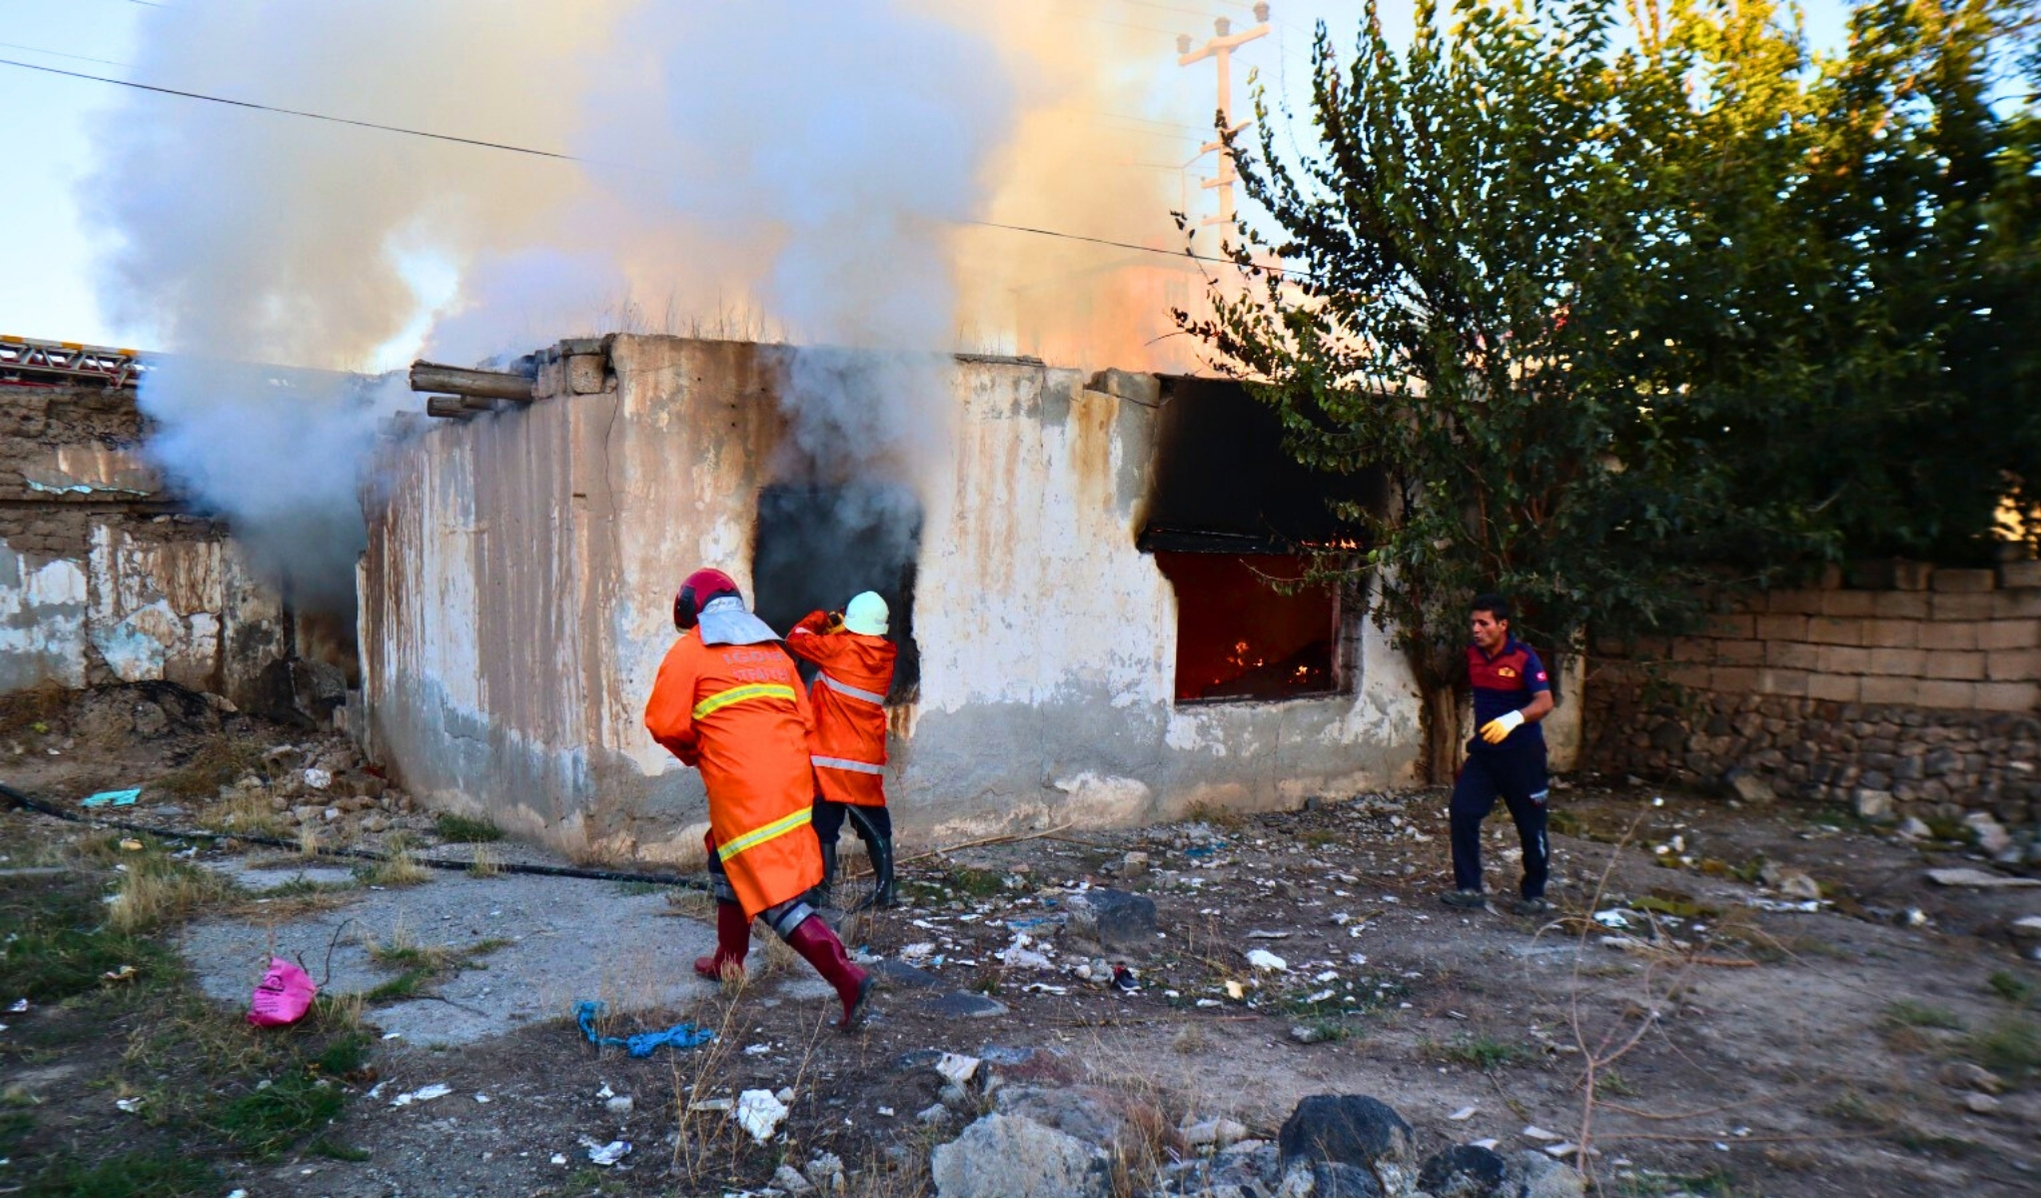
(19, 800)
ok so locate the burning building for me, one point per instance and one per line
(1085, 570)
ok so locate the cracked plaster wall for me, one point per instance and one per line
(516, 602)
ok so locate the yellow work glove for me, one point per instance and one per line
(1501, 727)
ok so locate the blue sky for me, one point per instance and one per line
(47, 286)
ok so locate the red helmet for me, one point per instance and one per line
(694, 595)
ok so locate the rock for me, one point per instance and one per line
(1350, 1130)
(306, 814)
(330, 815)
(1462, 1170)
(1091, 1114)
(1748, 787)
(965, 1004)
(1981, 1103)
(1217, 1132)
(1794, 884)
(375, 824)
(1991, 836)
(1966, 876)
(620, 1104)
(1913, 828)
(790, 1180)
(1305, 1034)
(1875, 806)
(825, 1173)
(1003, 1154)
(1969, 1076)
(2027, 928)
(1118, 919)
(958, 1068)
(934, 1113)
(1134, 864)
(1534, 1175)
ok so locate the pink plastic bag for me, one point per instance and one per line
(282, 996)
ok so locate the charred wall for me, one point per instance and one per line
(517, 590)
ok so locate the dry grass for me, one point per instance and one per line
(485, 864)
(155, 891)
(33, 710)
(398, 868)
(244, 812)
(221, 760)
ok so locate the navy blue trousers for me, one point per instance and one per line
(1516, 774)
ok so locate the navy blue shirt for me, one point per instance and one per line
(1505, 683)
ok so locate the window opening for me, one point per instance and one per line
(1237, 637)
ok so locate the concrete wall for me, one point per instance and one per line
(516, 601)
(102, 578)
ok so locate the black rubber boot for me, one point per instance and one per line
(885, 889)
(823, 894)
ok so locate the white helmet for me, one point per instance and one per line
(867, 614)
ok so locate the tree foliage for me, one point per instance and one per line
(1620, 299)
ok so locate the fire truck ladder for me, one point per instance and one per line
(26, 362)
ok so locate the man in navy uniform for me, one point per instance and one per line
(1506, 758)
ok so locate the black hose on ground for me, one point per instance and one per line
(19, 800)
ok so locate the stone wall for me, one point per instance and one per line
(1910, 702)
(105, 577)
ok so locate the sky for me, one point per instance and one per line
(48, 286)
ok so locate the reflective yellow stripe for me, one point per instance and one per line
(785, 824)
(737, 695)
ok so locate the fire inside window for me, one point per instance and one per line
(1234, 523)
(816, 546)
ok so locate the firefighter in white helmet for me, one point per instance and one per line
(849, 742)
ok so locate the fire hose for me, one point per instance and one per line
(19, 800)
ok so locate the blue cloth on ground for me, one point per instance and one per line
(641, 1044)
(117, 798)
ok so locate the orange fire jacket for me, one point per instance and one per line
(736, 713)
(849, 700)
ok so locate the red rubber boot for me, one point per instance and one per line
(819, 947)
(733, 941)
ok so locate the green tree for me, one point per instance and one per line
(1601, 294)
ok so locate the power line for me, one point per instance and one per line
(505, 146)
(108, 62)
(290, 112)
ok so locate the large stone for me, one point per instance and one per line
(965, 1005)
(1875, 806)
(1991, 836)
(1118, 919)
(1463, 1170)
(1003, 1154)
(1351, 1130)
(1748, 787)
(1537, 1175)
(1091, 1114)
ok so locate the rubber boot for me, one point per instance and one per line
(885, 891)
(733, 941)
(819, 947)
(823, 894)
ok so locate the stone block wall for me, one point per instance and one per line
(1918, 700)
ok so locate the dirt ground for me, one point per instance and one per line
(1740, 1037)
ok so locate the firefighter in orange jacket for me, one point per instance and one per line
(728, 702)
(849, 745)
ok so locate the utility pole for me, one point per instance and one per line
(1221, 48)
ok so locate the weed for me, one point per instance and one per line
(34, 709)
(2011, 1046)
(1219, 817)
(453, 827)
(156, 890)
(484, 864)
(635, 887)
(59, 945)
(266, 1120)
(1613, 1082)
(1190, 1039)
(2011, 987)
(326, 1147)
(1911, 1013)
(405, 986)
(1481, 1052)
(1319, 838)
(127, 1174)
(396, 869)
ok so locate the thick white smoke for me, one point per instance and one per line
(794, 169)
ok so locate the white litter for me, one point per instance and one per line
(755, 1050)
(1465, 1113)
(129, 1105)
(1019, 956)
(19, 1005)
(1321, 996)
(376, 1091)
(559, 1159)
(1766, 904)
(1263, 934)
(711, 1105)
(1535, 1133)
(317, 779)
(1326, 976)
(421, 1095)
(621, 1105)
(1485, 1143)
(920, 951)
(606, 1155)
(1612, 918)
(1262, 959)
(885, 1111)
(760, 1113)
(1047, 989)
(957, 1067)
(605, 1093)
(481, 1098)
